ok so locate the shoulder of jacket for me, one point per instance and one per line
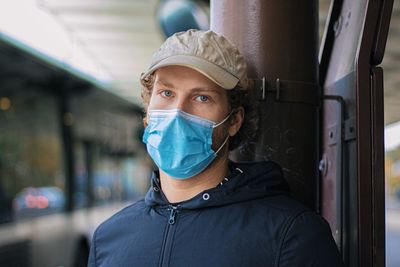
(125, 213)
(285, 210)
(109, 227)
(307, 235)
(285, 205)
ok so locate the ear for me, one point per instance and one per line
(236, 121)
(145, 117)
(145, 121)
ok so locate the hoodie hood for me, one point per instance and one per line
(246, 181)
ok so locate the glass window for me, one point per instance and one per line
(31, 173)
(108, 164)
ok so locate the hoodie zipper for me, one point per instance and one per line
(173, 211)
(168, 235)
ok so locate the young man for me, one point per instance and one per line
(202, 209)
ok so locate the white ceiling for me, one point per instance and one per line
(120, 36)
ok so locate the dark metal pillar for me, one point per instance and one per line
(66, 120)
(89, 161)
(280, 41)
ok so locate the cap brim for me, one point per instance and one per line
(215, 73)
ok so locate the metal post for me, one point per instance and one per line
(280, 42)
(67, 141)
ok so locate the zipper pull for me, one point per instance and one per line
(172, 215)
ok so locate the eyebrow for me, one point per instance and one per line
(165, 83)
(218, 91)
(207, 89)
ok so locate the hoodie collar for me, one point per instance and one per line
(246, 181)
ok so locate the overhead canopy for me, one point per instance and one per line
(24, 68)
(120, 36)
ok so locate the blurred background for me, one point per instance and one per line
(71, 118)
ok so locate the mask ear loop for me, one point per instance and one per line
(223, 144)
(224, 120)
(218, 124)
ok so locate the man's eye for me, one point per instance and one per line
(202, 98)
(166, 93)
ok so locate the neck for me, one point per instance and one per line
(181, 190)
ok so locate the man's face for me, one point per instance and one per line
(178, 87)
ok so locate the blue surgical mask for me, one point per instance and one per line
(179, 142)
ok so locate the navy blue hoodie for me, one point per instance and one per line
(248, 220)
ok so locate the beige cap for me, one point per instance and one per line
(205, 51)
